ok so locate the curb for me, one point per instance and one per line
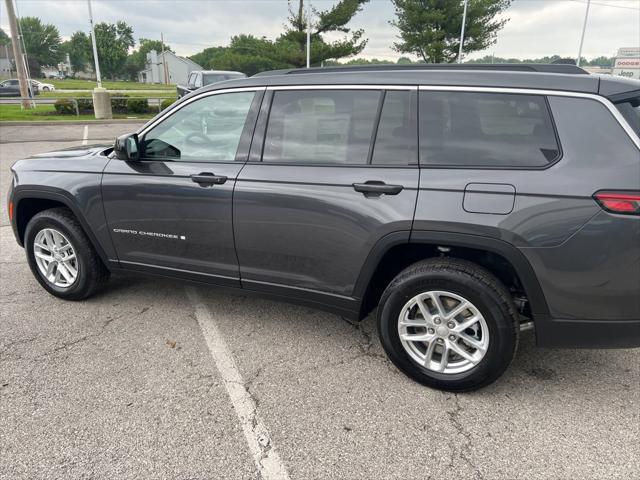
(10, 123)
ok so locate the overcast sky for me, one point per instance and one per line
(536, 27)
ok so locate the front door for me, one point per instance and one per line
(170, 212)
(319, 193)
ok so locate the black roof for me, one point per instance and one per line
(528, 76)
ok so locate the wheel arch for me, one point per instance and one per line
(29, 202)
(396, 251)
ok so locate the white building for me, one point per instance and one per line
(178, 68)
(6, 62)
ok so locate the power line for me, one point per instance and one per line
(607, 5)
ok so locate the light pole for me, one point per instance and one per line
(464, 21)
(308, 34)
(101, 99)
(93, 43)
(584, 29)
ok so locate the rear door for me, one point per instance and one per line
(318, 193)
(171, 211)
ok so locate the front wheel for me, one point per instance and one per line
(61, 256)
(449, 324)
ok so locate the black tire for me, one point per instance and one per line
(475, 284)
(92, 274)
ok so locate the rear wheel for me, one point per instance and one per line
(449, 324)
(61, 256)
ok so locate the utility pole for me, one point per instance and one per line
(464, 21)
(308, 33)
(18, 58)
(584, 29)
(93, 43)
(164, 61)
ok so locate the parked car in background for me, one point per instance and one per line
(201, 78)
(43, 87)
(11, 88)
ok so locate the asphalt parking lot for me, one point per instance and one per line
(156, 379)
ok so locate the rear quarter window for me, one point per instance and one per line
(470, 129)
(630, 110)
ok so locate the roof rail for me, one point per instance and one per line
(513, 67)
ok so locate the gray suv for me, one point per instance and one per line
(463, 203)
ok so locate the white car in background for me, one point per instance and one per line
(43, 87)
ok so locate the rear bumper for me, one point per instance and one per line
(553, 332)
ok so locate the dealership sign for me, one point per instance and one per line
(629, 52)
(627, 63)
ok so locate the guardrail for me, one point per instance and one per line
(152, 102)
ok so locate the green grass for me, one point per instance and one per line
(74, 84)
(48, 113)
(137, 93)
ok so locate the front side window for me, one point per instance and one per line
(469, 129)
(321, 126)
(207, 129)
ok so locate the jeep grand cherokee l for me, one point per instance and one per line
(463, 203)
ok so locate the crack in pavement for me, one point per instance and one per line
(365, 342)
(65, 345)
(464, 451)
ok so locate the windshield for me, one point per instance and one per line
(630, 110)
(210, 78)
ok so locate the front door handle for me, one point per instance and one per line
(375, 188)
(206, 179)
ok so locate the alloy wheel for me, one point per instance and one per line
(55, 257)
(443, 332)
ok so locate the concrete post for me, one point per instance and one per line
(102, 104)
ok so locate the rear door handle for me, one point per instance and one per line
(373, 188)
(207, 178)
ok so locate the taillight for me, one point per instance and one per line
(626, 203)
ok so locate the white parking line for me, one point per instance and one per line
(85, 135)
(255, 432)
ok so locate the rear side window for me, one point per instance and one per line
(396, 140)
(469, 129)
(321, 126)
(630, 110)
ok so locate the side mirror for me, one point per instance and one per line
(127, 147)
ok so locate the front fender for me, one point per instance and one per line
(87, 208)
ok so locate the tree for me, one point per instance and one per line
(137, 60)
(431, 28)
(42, 43)
(604, 62)
(113, 42)
(293, 43)
(78, 47)
(4, 38)
(245, 53)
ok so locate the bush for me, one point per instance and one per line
(119, 105)
(65, 106)
(167, 102)
(85, 105)
(137, 105)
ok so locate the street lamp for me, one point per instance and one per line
(93, 43)
(584, 29)
(308, 34)
(464, 21)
